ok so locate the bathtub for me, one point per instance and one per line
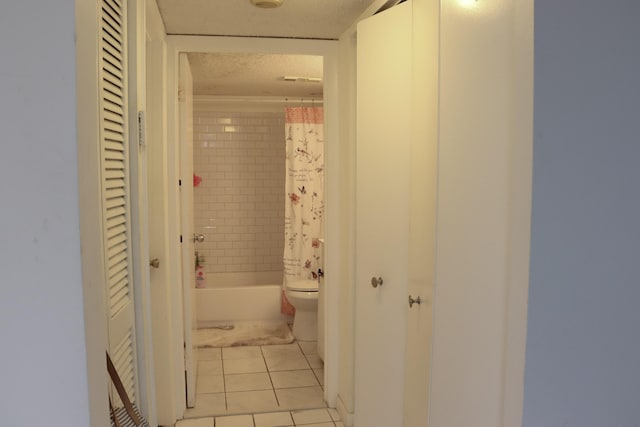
(232, 297)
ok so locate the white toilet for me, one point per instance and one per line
(303, 295)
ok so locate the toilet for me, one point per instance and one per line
(303, 295)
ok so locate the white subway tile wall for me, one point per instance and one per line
(239, 206)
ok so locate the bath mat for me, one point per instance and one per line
(243, 334)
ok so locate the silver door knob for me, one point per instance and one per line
(376, 281)
(414, 301)
(198, 238)
(155, 263)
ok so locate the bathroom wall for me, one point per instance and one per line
(239, 206)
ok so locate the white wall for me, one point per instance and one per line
(519, 240)
(43, 364)
(478, 136)
(583, 349)
(341, 176)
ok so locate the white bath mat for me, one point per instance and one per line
(244, 333)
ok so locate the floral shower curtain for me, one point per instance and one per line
(304, 205)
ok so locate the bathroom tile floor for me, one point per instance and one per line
(249, 380)
(303, 417)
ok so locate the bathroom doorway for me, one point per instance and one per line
(247, 357)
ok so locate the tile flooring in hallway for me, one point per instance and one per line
(246, 380)
(304, 417)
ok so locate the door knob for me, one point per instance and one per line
(198, 238)
(376, 281)
(414, 301)
(155, 263)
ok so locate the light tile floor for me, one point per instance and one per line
(247, 380)
(305, 417)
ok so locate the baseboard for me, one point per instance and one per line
(345, 416)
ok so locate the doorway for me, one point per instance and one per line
(239, 142)
(218, 46)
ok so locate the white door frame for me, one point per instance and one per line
(187, 248)
(89, 185)
(328, 50)
(159, 247)
(139, 209)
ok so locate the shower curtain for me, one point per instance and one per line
(304, 204)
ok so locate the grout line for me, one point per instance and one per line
(224, 383)
(273, 388)
(226, 403)
(317, 379)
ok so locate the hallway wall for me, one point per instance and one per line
(43, 365)
(474, 208)
(582, 344)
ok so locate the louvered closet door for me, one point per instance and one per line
(115, 191)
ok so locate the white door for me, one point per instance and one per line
(382, 215)
(422, 222)
(115, 191)
(185, 95)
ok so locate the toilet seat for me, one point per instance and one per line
(303, 286)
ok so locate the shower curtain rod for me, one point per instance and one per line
(261, 99)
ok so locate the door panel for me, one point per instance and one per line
(115, 191)
(422, 223)
(382, 214)
(477, 124)
(185, 94)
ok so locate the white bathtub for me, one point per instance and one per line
(232, 297)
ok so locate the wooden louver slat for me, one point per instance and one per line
(123, 361)
(114, 147)
(114, 153)
(111, 26)
(115, 6)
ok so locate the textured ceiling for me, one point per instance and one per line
(258, 75)
(318, 19)
(231, 74)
